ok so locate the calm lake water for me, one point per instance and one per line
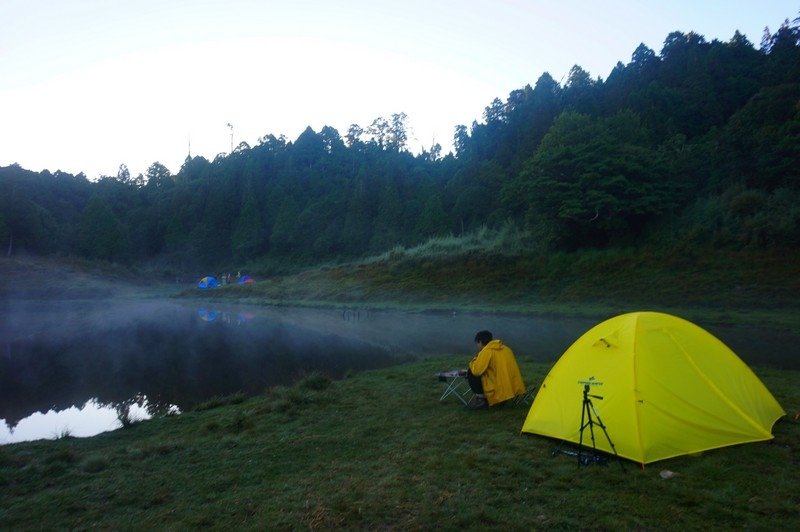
(76, 368)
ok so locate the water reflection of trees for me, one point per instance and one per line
(169, 358)
(127, 415)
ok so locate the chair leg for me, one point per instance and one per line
(525, 398)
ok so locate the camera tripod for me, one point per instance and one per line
(588, 421)
(590, 418)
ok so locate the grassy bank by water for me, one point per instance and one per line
(711, 287)
(379, 451)
(483, 272)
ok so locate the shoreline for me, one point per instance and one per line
(773, 319)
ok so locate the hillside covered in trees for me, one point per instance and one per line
(696, 145)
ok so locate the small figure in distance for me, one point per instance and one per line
(493, 374)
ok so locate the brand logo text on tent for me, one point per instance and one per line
(591, 381)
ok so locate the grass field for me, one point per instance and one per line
(379, 451)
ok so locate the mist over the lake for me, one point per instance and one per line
(161, 355)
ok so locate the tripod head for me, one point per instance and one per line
(586, 393)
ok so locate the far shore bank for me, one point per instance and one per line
(749, 299)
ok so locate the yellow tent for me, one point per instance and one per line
(668, 388)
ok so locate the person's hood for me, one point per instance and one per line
(494, 344)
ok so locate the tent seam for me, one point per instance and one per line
(716, 389)
(636, 387)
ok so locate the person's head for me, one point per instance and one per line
(482, 338)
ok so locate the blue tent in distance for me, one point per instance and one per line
(208, 282)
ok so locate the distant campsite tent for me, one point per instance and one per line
(668, 388)
(208, 282)
(245, 279)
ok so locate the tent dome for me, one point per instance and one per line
(208, 282)
(668, 388)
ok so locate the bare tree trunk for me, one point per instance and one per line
(10, 242)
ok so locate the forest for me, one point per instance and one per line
(696, 145)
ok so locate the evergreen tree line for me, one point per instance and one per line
(696, 145)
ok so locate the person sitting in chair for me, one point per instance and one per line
(493, 374)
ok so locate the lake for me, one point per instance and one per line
(81, 368)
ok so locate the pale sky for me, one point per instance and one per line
(86, 85)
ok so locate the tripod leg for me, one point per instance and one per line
(591, 429)
(586, 421)
(584, 411)
(608, 438)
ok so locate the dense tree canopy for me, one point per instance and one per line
(593, 181)
(698, 143)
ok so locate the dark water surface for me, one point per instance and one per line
(77, 368)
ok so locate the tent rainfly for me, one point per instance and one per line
(668, 388)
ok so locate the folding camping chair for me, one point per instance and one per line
(455, 384)
(526, 397)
